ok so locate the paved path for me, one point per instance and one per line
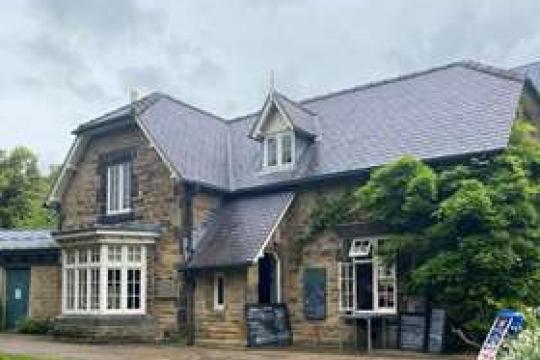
(45, 347)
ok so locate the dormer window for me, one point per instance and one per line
(279, 150)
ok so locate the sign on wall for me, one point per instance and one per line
(413, 332)
(314, 293)
(436, 330)
(268, 325)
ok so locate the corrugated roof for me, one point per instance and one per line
(239, 230)
(26, 240)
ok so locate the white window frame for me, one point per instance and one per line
(360, 247)
(376, 263)
(123, 168)
(279, 151)
(103, 265)
(217, 305)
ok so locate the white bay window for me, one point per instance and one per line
(104, 279)
(366, 283)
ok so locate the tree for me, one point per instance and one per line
(470, 232)
(23, 190)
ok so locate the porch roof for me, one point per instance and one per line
(240, 230)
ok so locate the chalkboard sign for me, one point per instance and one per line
(315, 293)
(268, 325)
(413, 332)
(436, 330)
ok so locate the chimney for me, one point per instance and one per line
(133, 95)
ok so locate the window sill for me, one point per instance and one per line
(367, 314)
(115, 218)
(276, 169)
(105, 319)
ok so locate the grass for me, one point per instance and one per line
(19, 357)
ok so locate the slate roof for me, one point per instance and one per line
(453, 110)
(239, 229)
(302, 119)
(532, 72)
(26, 240)
(194, 142)
(456, 109)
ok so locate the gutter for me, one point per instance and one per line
(186, 246)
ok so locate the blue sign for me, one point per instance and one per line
(507, 322)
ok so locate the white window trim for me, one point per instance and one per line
(120, 198)
(103, 267)
(217, 306)
(360, 247)
(279, 151)
(375, 285)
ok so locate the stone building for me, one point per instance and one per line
(29, 276)
(175, 221)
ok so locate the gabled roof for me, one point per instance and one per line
(302, 119)
(241, 228)
(453, 110)
(299, 118)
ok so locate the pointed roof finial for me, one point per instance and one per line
(272, 80)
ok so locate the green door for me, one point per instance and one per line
(17, 289)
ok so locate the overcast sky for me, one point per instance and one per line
(63, 62)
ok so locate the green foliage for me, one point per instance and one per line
(526, 346)
(402, 195)
(472, 229)
(22, 191)
(34, 326)
(328, 212)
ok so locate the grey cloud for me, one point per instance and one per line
(148, 77)
(216, 54)
(55, 65)
(102, 20)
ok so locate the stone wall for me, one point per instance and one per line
(221, 327)
(45, 291)
(156, 200)
(322, 252)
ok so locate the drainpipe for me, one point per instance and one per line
(189, 276)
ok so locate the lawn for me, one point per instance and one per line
(18, 357)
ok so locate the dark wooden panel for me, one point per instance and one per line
(268, 325)
(315, 293)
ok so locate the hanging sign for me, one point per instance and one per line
(507, 321)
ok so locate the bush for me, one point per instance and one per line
(35, 326)
(526, 346)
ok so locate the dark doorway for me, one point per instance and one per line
(17, 290)
(267, 280)
(364, 286)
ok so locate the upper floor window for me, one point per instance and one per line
(119, 188)
(279, 150)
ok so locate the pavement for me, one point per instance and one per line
(45, 347)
